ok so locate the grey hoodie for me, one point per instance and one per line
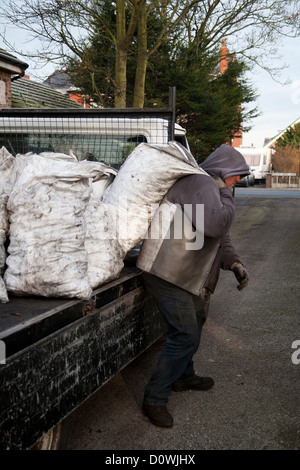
(225, 161)
(168, 257)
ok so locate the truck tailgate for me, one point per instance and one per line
(59, 352)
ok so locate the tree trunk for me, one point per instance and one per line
(120, 78)
(121, 57)
(142, 59)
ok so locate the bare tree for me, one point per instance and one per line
(63, 26)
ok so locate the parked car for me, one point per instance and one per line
(248, 180)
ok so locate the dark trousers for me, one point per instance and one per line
(184, 315)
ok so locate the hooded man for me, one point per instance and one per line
(187, 244)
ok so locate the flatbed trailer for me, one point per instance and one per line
(60, 351)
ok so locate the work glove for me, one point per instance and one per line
(220, 182)
(241, 274)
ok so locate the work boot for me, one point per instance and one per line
(193, 383)
(158, 415)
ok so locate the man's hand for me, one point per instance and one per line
(241, 274)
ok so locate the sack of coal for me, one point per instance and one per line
(141, 184)
(46, 253)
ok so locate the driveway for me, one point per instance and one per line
(246, 347)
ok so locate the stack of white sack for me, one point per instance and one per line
(72, 223)
(140, 185)
(47, 255)
(104, 254)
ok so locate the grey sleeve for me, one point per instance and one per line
(229, 255)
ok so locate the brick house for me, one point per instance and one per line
(11, 69)
(18, 91)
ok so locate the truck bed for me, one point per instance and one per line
(60, 351)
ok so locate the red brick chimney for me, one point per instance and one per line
(237, 140)
(224, 57)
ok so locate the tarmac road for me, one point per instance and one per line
(246, 347)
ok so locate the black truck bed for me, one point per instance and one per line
(60, 351)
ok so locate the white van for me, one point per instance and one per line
(92, 137)
(258, 159)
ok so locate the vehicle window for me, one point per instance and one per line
(252, 160)
(112, 150)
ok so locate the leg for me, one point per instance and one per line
(184, 316)
(201, 309)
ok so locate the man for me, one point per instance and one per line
(181, 275)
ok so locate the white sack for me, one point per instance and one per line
(10, 169)
(101, 183)
(47, 256)
(105, 256)
(141, 183)
(61, 156)
(7, 181)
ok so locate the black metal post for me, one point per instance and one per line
(172, 105)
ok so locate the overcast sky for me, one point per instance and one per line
(279, 104)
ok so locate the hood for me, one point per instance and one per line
(225, 161)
